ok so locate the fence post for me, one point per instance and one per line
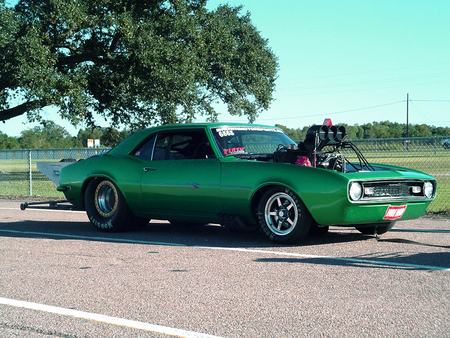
(30, 177)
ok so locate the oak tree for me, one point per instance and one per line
(132, 62)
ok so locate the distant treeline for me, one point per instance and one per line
(51, 135)
(376, 130)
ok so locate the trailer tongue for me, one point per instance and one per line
(51, 170)
(57, 205)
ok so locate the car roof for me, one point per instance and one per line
(207, 125)
(133, 140)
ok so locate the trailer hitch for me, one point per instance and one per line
(59, 205)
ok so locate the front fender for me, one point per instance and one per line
(319, 189)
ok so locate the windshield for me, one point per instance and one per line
(248, 140)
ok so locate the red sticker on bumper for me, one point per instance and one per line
(394, 212)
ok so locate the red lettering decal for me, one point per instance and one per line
(394, 212)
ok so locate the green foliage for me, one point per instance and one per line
(84, 135)
(134, 63)
(109, 137)
(376, 130)
(295, 134)
(8, 142)
(50, 135)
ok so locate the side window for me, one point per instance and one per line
(161, 147)
(145, 150)
(193, 145)
(183, 145)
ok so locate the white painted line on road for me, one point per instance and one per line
(42, 209)
(105, 239)
(421, 230)
(104, 319)
(268, 252)
(343, 259)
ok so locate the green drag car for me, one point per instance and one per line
(246, 177)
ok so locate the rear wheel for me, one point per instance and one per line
(282, 216)
(107, 209)
(377, 229)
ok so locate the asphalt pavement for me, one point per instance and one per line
(59, 277)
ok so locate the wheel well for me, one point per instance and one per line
(258, 194)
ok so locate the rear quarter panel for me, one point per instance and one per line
(124, 171)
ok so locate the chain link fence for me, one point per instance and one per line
(428, 154)
(19, 174)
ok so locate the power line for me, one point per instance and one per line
(431, 100)
(412, 102)
(335, 113)
(356, 109)
(360, 89)
(366, 72)
(364, 82)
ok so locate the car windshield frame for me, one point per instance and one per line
(244, 141)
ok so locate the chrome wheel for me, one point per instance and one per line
(106, 199)
(281, 214)
(106, 207)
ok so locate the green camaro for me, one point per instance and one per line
(246, 177)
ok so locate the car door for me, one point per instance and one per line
(181, 180)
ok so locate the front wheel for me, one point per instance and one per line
(282, 216)
(107, 209)
(376, 230)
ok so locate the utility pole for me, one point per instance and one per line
(407, 121)
(407, 115)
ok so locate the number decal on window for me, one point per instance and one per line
(225, 132)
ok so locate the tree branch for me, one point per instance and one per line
(22, 109)
(75, 59)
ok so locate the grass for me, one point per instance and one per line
(14, 174)
(14, 179)
(435, 163)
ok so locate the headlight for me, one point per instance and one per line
(355, 191)
(428, 189)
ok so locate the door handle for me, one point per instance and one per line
(147, 169)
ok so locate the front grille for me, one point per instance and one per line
(393, 189)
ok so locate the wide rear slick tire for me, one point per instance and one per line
(107, 209)
(282, 216)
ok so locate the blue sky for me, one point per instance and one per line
(352, 61)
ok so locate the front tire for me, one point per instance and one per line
(107, 209)
(282, 216)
